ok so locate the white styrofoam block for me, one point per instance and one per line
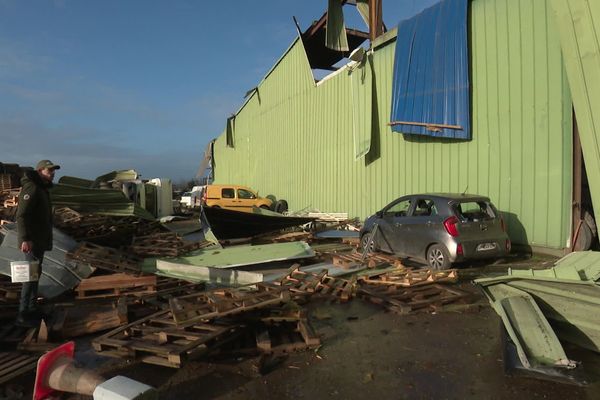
(123, 388)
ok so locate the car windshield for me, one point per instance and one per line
(471, 211)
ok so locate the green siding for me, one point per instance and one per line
(296, 142)
(579, 26)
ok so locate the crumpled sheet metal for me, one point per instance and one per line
(58, 274)
(581, 266)
(570, 306)
(530, 331)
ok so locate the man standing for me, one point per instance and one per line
(34, 227)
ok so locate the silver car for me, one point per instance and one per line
(438, 228)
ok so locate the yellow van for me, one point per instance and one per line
(234, 197)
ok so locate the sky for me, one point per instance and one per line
(98, 86)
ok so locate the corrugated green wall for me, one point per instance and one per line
(579, 26)
(293, 138)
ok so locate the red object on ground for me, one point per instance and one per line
(44, 367)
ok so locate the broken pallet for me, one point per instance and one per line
(224, 302)
(410, 277)
(106, 258)
(15, 364)
(404, 300)
(164, 244)
(311, 283)
(157, 340)
(372, 260)
(115, 285)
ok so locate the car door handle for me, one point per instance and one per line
(398, 224)
(429, 223)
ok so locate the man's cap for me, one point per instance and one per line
(47, 164)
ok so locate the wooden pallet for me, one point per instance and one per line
(106, 258)
(342, 289)
(352, 241)
(372, 260)
(225, 302)
(286, 337)
(15, 364)
(164, 244)
(300, 282)
(5, 182)
(290, 237)
(157, 340)
(410, 277)
(103, 230)
(272, 338)
(115, 285)
(404, 300)
(81, 319)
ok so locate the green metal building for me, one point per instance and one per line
(293, 137)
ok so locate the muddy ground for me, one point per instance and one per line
(366, 353)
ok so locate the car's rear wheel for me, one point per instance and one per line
(366, 244)
(438, 257)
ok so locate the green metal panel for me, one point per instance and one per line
(293, 138)
(526, 325)
(579, 25)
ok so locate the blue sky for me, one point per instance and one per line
(116, 84)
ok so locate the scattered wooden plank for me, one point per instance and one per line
(302, 282)
(372, 260)
(82, 319)
(289, 237)
(14, 364)
(279, 338)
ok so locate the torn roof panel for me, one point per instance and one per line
(321, 57)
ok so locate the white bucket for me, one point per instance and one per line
(24, 271)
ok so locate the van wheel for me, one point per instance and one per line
(281, 206)
(438, 257)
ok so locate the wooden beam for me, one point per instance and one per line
(429, 126)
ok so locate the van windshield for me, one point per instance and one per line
(471, 211)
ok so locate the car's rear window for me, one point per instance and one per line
(474, 211)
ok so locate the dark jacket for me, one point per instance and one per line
(34, 214)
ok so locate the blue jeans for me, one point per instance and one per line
(29, 290)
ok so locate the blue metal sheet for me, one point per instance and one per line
(431, 73)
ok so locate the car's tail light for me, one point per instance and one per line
(508, 245)
(450, 225)
(459, 249)
(502, 225)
